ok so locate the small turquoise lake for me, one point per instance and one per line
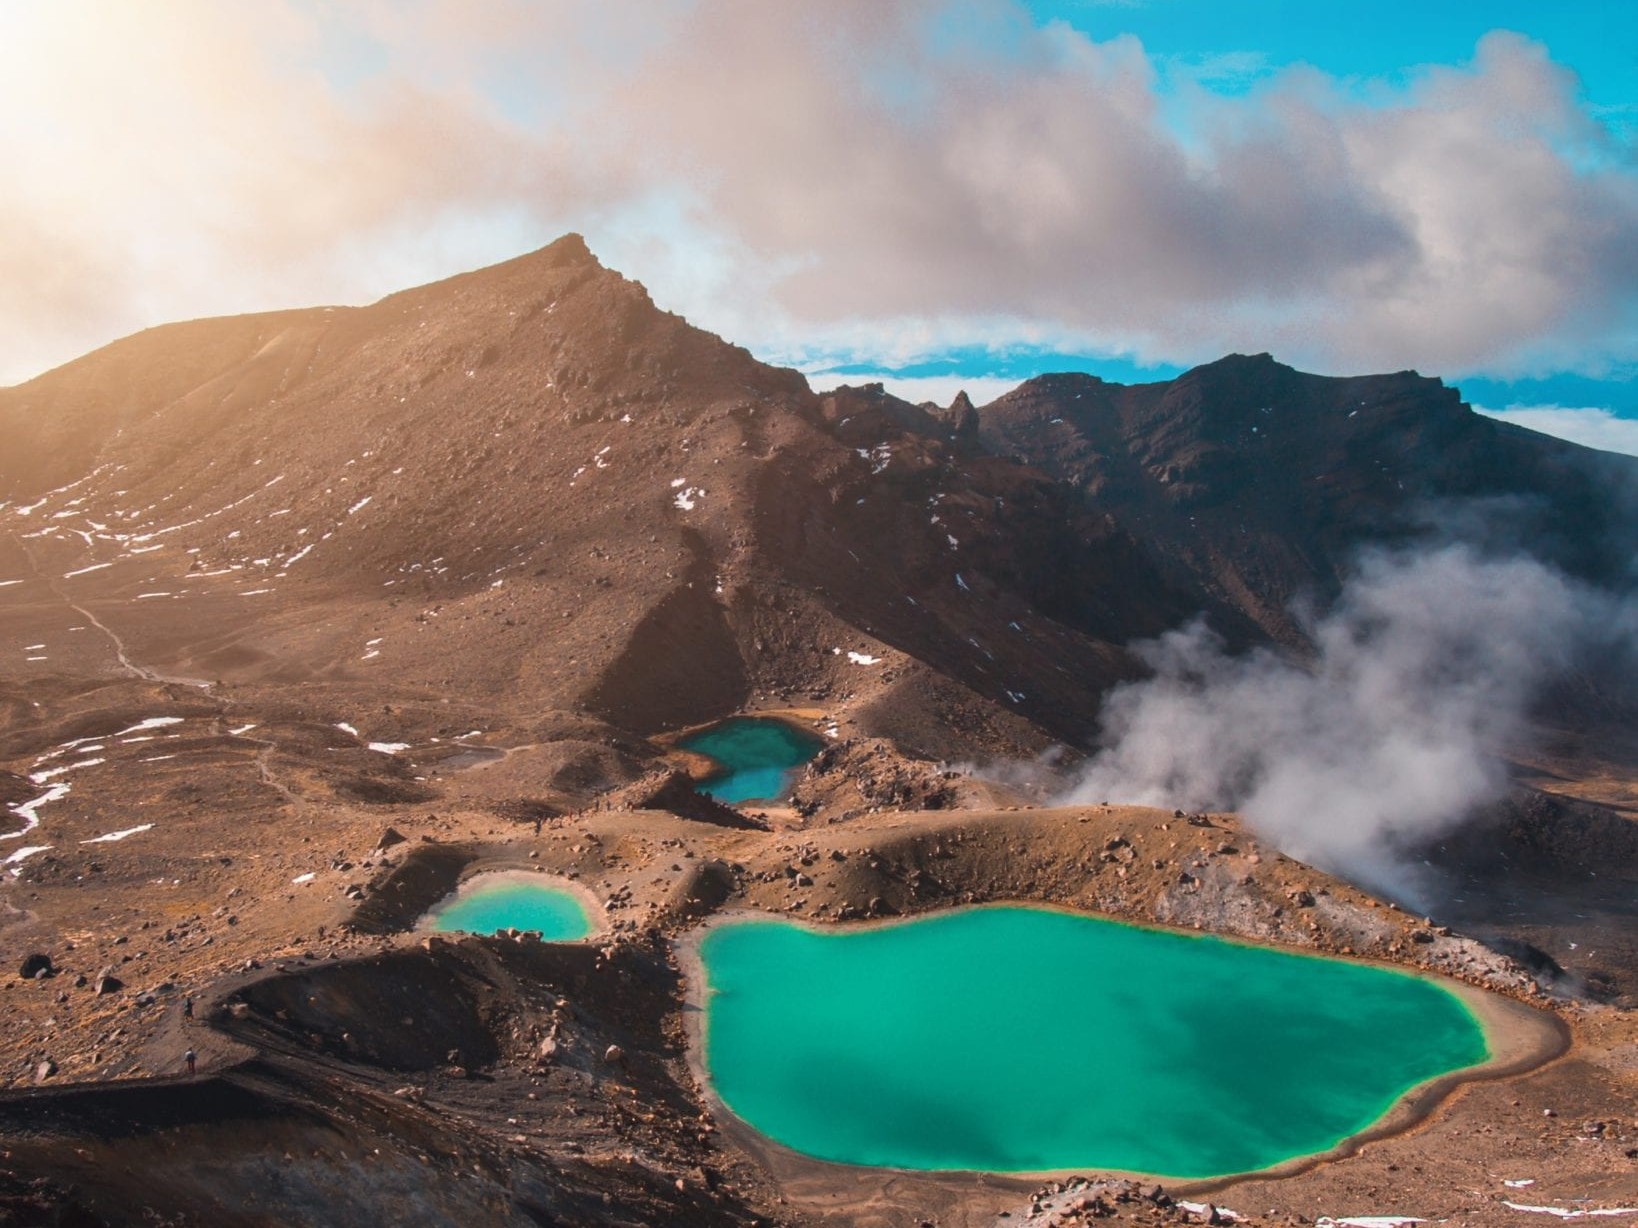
(1017, 1039)
(758, 757)
(495, 902)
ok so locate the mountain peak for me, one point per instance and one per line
(568, 249)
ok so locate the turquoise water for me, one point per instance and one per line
(758, 757)
(513, 904)
(1021, 1039)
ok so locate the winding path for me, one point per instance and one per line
(129, 666)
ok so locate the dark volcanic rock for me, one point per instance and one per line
(35, 964)
(1252, 483)
(672, 790)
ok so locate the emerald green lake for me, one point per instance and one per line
(1015, 1039)
(512, 902)
(758, 757)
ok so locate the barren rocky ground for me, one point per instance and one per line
(305, 617)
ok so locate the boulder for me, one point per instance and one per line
(36, 965)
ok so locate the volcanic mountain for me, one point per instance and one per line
(306, 617)
(530, 481)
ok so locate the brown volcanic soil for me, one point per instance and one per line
(518, 528)
(395, 1075)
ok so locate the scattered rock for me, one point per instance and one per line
(36, 966)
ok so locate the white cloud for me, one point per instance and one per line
(940, 389)
(1596, 428)
(788, 179)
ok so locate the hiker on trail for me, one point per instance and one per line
(189, 1058)
(187, 1008)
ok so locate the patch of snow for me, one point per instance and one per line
(255, 592)
(9, 583)
(29, 812)
(686, 498)
(860, 658)
(299, 555)
(33, 647)
(962, 584)
(147, 596)
(112, 836)
(1523, 1181)
(153, 722)
(23, 854)
(1571, 1213)
(359, 506)
(40, 778)
(84, 570)
(304, 878)
(879, 457)
(389, 748)
(241, 731)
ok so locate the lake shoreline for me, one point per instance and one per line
(480, 876)
(1517, 1037)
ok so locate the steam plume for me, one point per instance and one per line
(1423, 669)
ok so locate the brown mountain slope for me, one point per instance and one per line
(528, 481)
(1255, 484)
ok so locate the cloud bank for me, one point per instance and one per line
(1426, 666)
(1592, 427)
(884, 178)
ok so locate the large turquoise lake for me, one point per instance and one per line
(511, 901)
(757, 757)
(1014, 1039)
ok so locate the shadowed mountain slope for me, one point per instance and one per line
(1255, 484)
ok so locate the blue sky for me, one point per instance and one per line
(936, 193)
(1234, 49)
(1237, 43)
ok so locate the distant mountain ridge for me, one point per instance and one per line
(529, 478)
